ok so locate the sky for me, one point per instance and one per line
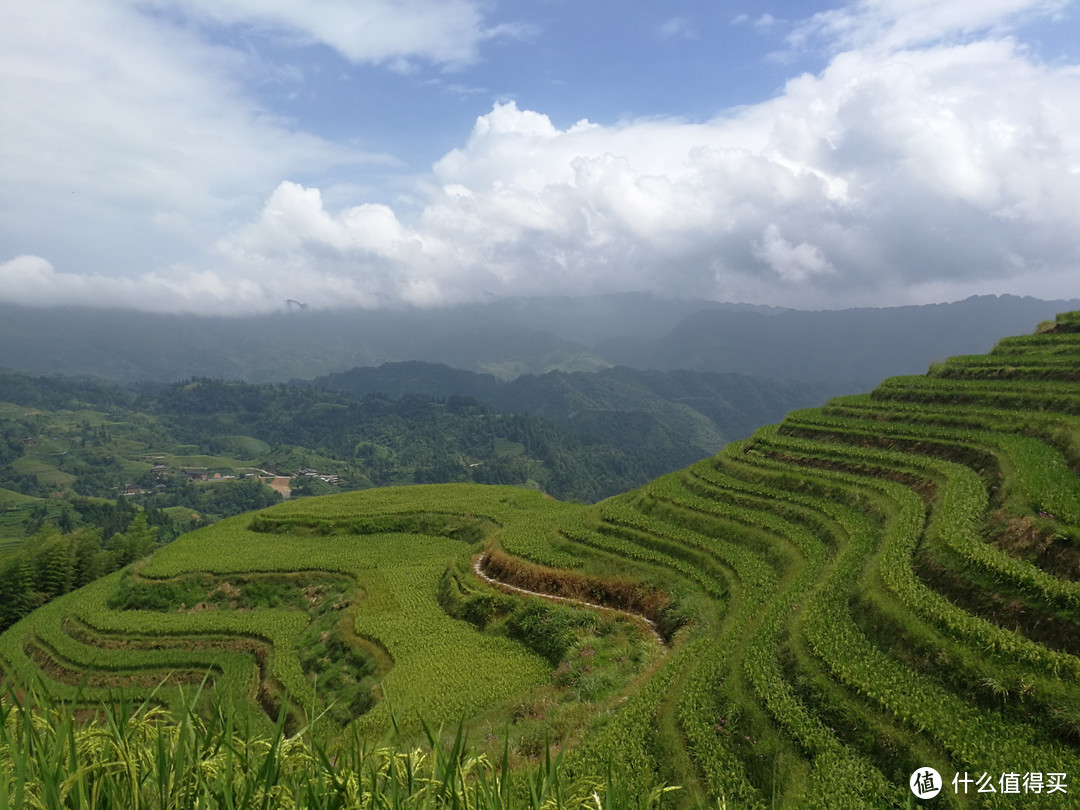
(224, 156)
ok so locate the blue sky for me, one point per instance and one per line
(224, 155)
(604, 61)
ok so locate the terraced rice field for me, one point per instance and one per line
(883, 585)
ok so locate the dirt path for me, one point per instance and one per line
(637, 617)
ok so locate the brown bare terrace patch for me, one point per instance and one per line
(1055, 632)
(55, 669)
(268, 693)
(1021, 537)
(259, 650)
(620, 594)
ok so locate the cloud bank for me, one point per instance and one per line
(933, 157)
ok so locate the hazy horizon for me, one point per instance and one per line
(693, 304)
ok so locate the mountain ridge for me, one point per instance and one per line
(510, 337)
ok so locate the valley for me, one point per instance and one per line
(878, 585)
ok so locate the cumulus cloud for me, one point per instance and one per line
(361, 256)
(932, 156)
(884, 178)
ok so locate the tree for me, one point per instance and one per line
(55, 569)
(16, 588)
(134, 544)
(89, 560)
(66, 521)
(37, 519)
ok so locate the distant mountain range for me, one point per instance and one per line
(846, 350)
(851, 349)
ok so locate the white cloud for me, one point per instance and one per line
(887, 176)
(914, 165)
(33, 281)
(893, 24)
(392, 32)
(132, 136)
(678, 28)
(791, 262)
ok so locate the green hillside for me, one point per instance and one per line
(882, 585)
(664, 420)
(71, 436)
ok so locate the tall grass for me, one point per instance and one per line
(126, 755)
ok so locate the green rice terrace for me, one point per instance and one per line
(879, 586)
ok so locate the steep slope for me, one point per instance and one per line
(883, 585)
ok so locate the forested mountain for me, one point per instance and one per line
(92, 438)
(575, 435)
(376, 440)
(673, 415)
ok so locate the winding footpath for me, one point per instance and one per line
(636, 617)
